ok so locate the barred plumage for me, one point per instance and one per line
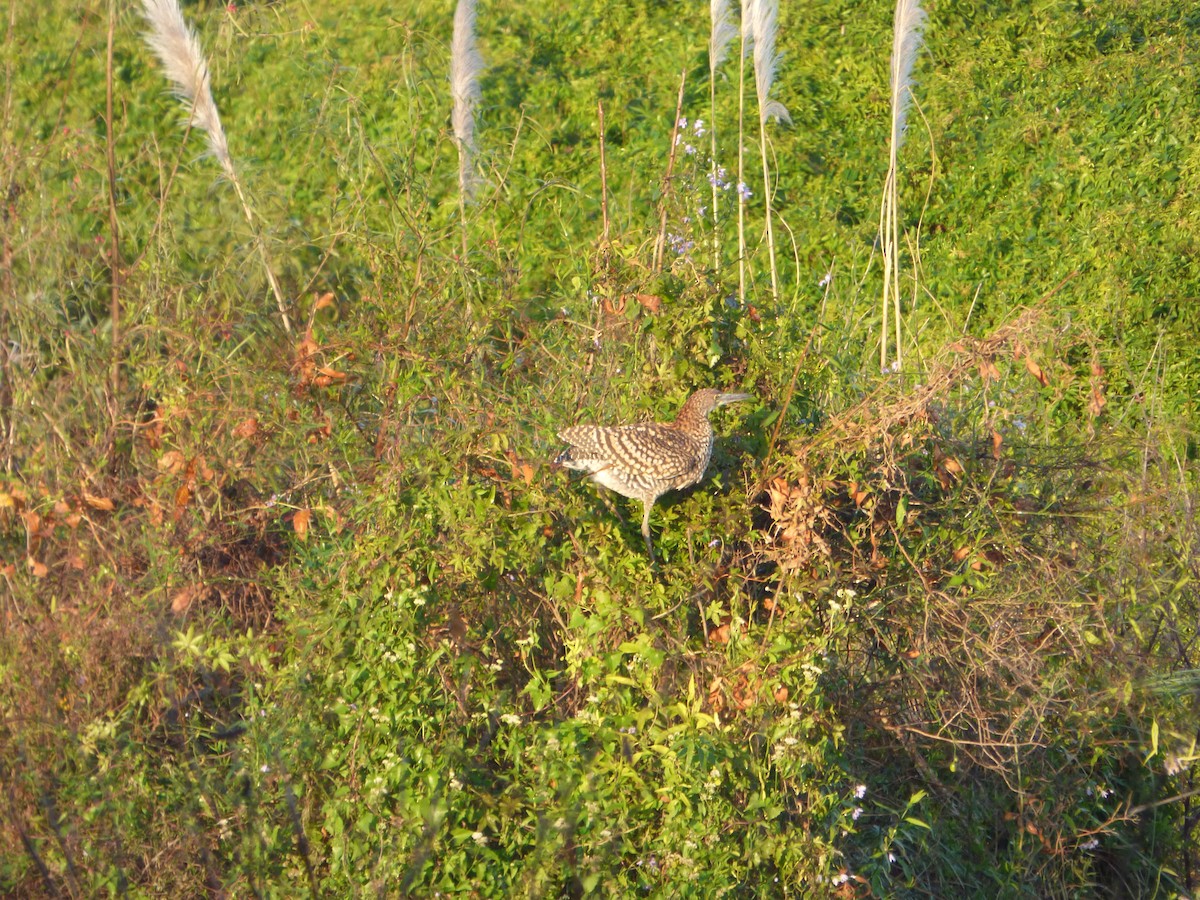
(645, 461)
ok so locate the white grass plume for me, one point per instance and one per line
(747, 33)
(177, 47)
(466, 65)
(720, 37)
(722, 34)
(764, 16)
(906, 41)
(764, 25)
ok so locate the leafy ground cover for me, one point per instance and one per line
(314, 612)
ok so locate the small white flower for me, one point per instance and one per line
(856, 813)
(480, 838)
(510, 719)
(824, 282)
(860, 792)
(264, 768)
(689, 149)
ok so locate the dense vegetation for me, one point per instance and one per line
(313, 612)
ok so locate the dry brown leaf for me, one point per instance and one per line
(325, 300)
(997, 440)
(614, 309)
(171, 462)
(203, 469)
(300, 523)
(651, 303)
(6, 500)
(248, 428)
(304, 352)
(961, 553)
(327, 376)
(781, 694)
(719, 635)
(183, 599)
(1036, 371)
(183, 497)
(36, 569)
(75, 561)
(73, 520)
(61, 508)
(988, 370)
(97, 502)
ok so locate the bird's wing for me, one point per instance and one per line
(649, 449)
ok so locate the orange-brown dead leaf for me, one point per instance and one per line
(300, 523)
(327, 376)
(75, 561)
(325, 300)
(305, 352)
(781, 694)
(183, 497)
(171, 462)
(246, 429)
(961, 553)
(183, 599)
(614, 309)
(36, 569)
(1036, 371)
(650, 302)
(96, 502)
(719, 635)
(857, 494)
(988, 371)
(997, 440)
(321, 432)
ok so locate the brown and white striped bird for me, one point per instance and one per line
(645, 461)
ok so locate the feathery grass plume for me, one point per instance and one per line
(722, 34)
(906, 40)
(178, 48)
(466, 65)
(747, 46)
(766, 63)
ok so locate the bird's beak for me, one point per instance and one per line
(723, 399)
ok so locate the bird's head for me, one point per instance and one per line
(706, 400)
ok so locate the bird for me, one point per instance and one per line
(646, 460)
